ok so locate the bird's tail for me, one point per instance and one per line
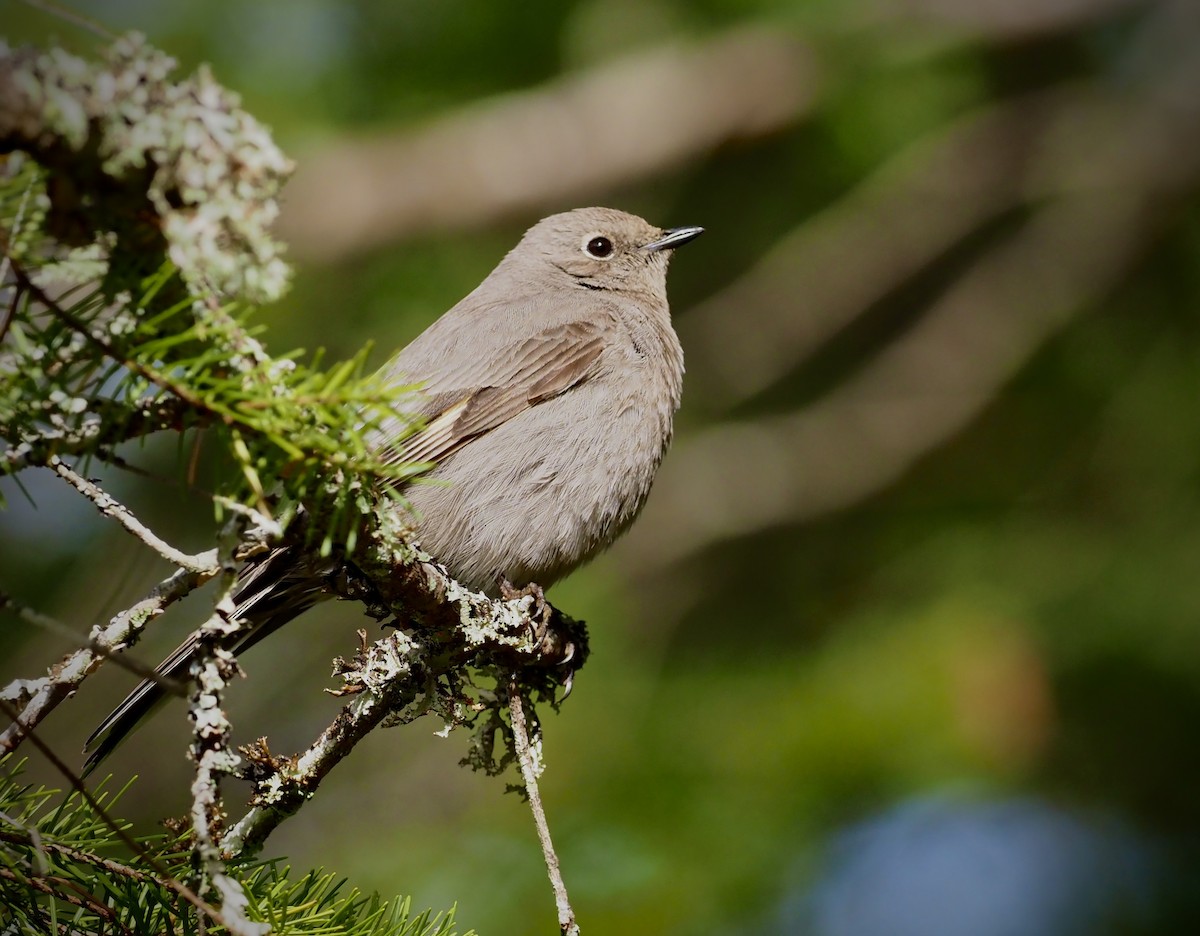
(272, 590)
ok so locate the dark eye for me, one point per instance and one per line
(599, 247)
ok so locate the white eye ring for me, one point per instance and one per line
(598, 246)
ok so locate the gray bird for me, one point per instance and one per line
(548, 396)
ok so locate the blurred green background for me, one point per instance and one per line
(908, 637)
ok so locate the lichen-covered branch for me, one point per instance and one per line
(37, 698)
(110, 507)
(78, 640)
(98, 435)
(528, 753)
(448, 631)
(171, 167)
(213, 668)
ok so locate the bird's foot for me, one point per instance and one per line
(555, 642)
(541, 611)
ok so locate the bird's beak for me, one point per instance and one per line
(674, 237)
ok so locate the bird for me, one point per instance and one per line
(547, 400)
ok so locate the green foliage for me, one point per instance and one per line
(62, 864)
(81, 371)
(133, 219)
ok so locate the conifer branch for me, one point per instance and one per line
(448, 630)
(164, 878)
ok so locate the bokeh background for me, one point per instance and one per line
(908, 637)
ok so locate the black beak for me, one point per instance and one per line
(674, 237)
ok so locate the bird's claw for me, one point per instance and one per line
(539, 618)
(540, 612)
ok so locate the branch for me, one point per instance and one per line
(530, 761)
(213, 667)
(96, 435)
(110, 507)
(405, 675)
(40, 697)
(31, 837)
(45, 622)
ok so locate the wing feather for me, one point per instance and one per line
(539, 369)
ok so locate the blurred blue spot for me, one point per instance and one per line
(946, 867)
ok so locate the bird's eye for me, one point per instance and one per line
(599, 247)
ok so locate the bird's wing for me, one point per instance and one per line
(527, 373)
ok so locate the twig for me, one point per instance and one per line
(53, 885)
(530, 768)
(115, 510)
(400, 677)
(30, 836)
(11, 309)
(41, 696)
(37, 449)
(163, 877)
(153, 376)
(71, 16)
(246, 347)
(213, 667)
(58, 628)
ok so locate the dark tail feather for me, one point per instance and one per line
(271, 592)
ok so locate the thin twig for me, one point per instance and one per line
(114, 509)
(163, 877)
(92, 437)
(10, 311)
(153, 376)
(529, 771)
(253, 355)
(5, 262)
(42, 696)
(71, 16)
(52, 885)
(58, 628)
(211, 671)
(31, 837)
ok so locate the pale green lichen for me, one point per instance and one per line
(213, 171)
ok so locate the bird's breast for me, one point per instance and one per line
(546, 491)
